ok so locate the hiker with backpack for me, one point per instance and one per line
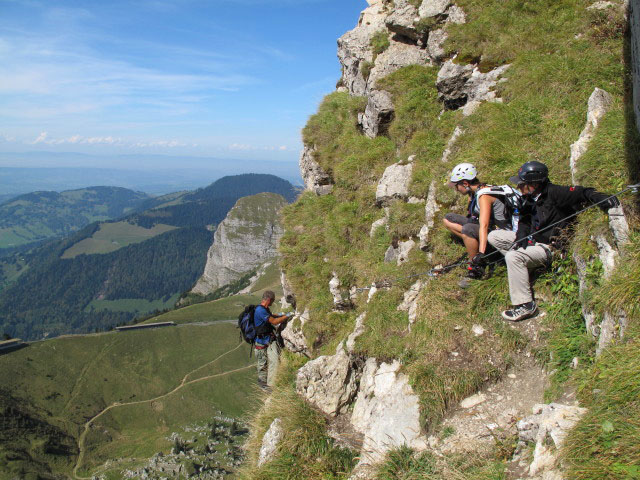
(490, 207)
(529, 247)
(264, 342)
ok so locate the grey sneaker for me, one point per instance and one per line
(520, 312)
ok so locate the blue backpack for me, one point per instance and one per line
(248, 330)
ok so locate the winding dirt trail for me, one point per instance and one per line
(183, 383)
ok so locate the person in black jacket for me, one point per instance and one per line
(545, 204)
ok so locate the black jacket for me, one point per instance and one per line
(553, 205)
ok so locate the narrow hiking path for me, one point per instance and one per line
(183, 383)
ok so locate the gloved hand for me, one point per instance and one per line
(479, 260)
(612, 202)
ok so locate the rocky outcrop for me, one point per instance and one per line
(397, 56)
(244, 240)
(293, 336)
(410, 302)
(466, 86)
(430, 210)
(341, 300)
(399, 252)
(386, 412)
(354, 46)
(598, 105)
(315, 178)
(416, 37)
(378, 114)
(612, 326)
(329, 382)
(547, 429)
(270, 441)
(395, 182)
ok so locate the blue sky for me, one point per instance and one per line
(218, 78)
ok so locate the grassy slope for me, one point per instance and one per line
(558, 52)
(72, 379)
(227, 308)
(112, 236)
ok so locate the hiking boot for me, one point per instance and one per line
(520, 312)
(263, 386)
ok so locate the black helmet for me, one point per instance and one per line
(531, 172)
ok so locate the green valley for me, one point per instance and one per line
(109, 273)
(119, 395)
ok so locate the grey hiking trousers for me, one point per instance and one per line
(519, 262)
(268, 361)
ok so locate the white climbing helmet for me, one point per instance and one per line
(463, 171)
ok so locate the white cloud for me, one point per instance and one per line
(240, 146)
(41, 138)
(160, 143)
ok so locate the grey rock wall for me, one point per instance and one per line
(244, 240)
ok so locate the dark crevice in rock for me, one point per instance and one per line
(455, 103)
(404, 39)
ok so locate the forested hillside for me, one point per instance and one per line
(37, 216)
(78, 285)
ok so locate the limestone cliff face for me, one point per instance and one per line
(244, 240)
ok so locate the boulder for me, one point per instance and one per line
(270, 442)
(397, 56)
(293, 336)
(402, 20)
(329, 382)
(451, 83)
(394, 183)
(391, 255)
(433, 8)
(386, 412)
(315, 178)
(455, 14)
(340, 301)
(547, 428)
(466, 86)
(435, 44)
(404, 248)
(378, 114)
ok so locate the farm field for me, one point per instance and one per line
(140, 386)
(113, 236)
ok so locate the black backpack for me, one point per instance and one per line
(248, 330)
